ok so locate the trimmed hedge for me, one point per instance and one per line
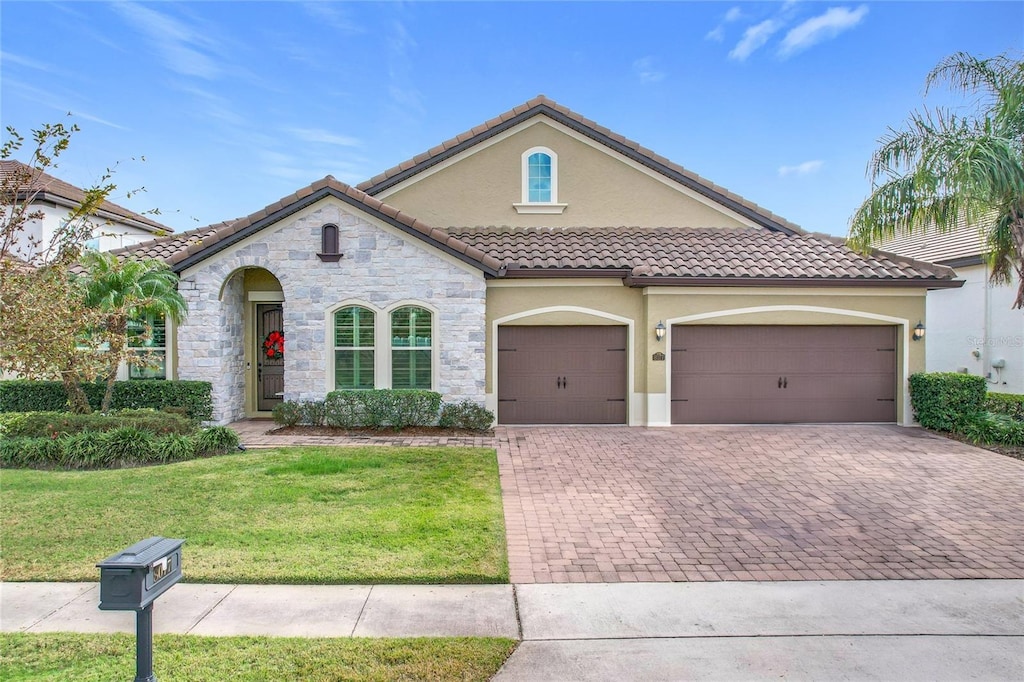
(1010, 404)
(121, 447)
(194, 397)
(54, 424)
(941, 399)
(466, 415)
(395, 408)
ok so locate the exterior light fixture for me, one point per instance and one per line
(918, 332)
(659, 331)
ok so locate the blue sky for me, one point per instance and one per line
(236, 104)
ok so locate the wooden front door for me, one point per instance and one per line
(562, 375)
(269, 355)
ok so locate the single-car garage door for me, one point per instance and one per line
(562, 375)
(783, 374)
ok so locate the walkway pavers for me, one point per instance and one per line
(756, 503)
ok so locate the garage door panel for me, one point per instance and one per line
(562, 375)
(765, 374)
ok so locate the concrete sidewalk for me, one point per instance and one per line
(864, 630)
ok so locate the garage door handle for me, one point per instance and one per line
(559, 382)
(785, 382)
(780, 382)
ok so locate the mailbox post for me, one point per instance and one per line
(131, 580)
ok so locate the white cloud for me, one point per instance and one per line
(7, 57)
(754, 38)
(181, 47)
(805, 168)
(734, 14)
(717, 34)
(820, 28)
(646, 69)
(333, 15)
(320, 136)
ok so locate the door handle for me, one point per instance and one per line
(785, 382)
(558, 382)
(780, 382)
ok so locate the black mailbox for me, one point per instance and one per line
(131, 579)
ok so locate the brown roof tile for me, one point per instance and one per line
(48, 186)
(175, 249)
(680, 252)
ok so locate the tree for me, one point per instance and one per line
(942, 167)
(122, 291)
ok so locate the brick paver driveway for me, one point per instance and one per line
(593, 504)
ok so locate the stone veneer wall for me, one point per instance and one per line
(379, 267)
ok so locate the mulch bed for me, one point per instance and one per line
(1009, 450)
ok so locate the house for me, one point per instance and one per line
(556, 271)
(53, 199)
(972, 329)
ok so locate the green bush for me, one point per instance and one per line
(30, 452)
(311, 412)
(50, 424)
(397, 408)
(83, 450)
(466, 415)
(129, 445)
(941, 399)
(287, 413)
(174, 448)
(1010, 404)
(216, 440)
(49, 396)
(989, 428)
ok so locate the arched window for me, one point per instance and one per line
(329, 244)
(540, 182)
(353, 348)
(411, 347)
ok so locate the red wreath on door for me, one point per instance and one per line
(273, 345)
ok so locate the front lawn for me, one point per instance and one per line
(65, 656)
(289, 515)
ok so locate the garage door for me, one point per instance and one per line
(561, 375)
(783, 374)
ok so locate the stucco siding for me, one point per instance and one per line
(600, 188)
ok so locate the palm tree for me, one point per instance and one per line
(125, 290)
(944, 167)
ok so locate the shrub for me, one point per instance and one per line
(216, 440)
(175, 447)
(49, 396)
(50, 424)
(343, 409)
(941, 399)
(129, 445)
(29, 452)
(287, 413)
(989, 428)
(381, 408)
(83, 450)
(311, 412)
(466, 415)
(1010, 404)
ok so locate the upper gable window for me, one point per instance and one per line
(540, 182)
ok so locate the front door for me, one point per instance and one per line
(269, 355)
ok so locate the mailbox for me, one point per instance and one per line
(131, 579)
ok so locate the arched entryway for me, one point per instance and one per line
(263, 330)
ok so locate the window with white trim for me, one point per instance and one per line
(147, 336)
(540, 182)
(353, 348)
(411, 347)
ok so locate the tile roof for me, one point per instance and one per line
(543, 105)
(691, 255)
(183, 250)
(49, 187)
(964, 241)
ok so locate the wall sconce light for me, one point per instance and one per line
(918, 332)
(659, 331)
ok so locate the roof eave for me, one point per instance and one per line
(916, 283)
(149, 226)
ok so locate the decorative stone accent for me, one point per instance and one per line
(381, 266)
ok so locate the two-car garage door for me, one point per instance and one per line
(783, 374)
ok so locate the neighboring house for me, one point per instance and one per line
(557, 272)
(113, 226)
(973, 329)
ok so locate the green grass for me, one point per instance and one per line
(184, 658)
(295, 515)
